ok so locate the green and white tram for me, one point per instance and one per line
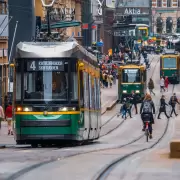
(56, 93)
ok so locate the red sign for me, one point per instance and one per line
(94, 26)
(85, 26)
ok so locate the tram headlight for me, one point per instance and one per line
(137, 91)
(67, 109)
(27, 109)
(124, 91)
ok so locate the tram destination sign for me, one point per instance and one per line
(45, 66)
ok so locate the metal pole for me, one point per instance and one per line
(10, 54)
(48, 22)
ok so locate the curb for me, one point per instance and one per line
(110, 107)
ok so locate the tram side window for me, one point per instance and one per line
(74, 82)
(131, 76)
(98, 94)
(90, 93)
(93, 93)
(81, 89)
(86, 90)
(18, 86)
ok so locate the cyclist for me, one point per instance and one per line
(147, 107)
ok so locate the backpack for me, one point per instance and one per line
(147, 107)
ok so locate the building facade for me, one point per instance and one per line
(166, 16)
(3, 50)
(63, 11)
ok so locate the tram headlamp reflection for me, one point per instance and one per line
(27, 109)
(124, 91)
(67, 109)
(137, 91)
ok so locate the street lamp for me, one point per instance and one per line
(48, 6)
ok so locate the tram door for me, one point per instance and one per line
(84, 104)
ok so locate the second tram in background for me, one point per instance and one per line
(170, 65)
(132, 77)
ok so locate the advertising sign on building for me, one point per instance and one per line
(4, 26)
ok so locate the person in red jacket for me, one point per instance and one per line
(8, 114)
(166, 83)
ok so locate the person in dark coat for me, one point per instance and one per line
(134, 101)
(173, 101)
(151, 86)
(162, 108)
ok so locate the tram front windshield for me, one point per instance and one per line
(46, 80)
(131, 76)
(169, 62)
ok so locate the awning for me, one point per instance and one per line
(62, 24)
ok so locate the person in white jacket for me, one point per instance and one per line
(162, 84)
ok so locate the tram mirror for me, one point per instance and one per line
(81, 65)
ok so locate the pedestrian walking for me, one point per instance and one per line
(151, 86)
(8, 113)
(162, 84)
(134, 101)
(166, 83)
(1, 115)
(128, 107)
(123, 109)
(173, 101)
(110, 80)
(162, 108)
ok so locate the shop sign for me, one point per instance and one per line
(45, 66)
(132, 11)
(61, 14)
(100, 4)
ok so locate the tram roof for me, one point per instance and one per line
(53, 50)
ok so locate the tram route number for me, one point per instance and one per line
(45, 66)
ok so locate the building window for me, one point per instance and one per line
(159, 3)
(169, 25)
(159, 25)
(3, 7)
(168, 3)
(178, 3)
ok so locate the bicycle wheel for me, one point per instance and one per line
(147, 134)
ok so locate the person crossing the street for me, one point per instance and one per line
(151, 86)
(162, 108)
(173, 101)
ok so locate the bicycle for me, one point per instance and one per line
(147, 121)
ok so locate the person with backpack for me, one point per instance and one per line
(147, 108)
(173, 101)
(162, 108)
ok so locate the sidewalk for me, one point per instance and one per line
(108, 97)
(4, 138)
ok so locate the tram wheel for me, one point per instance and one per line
(34, 145)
